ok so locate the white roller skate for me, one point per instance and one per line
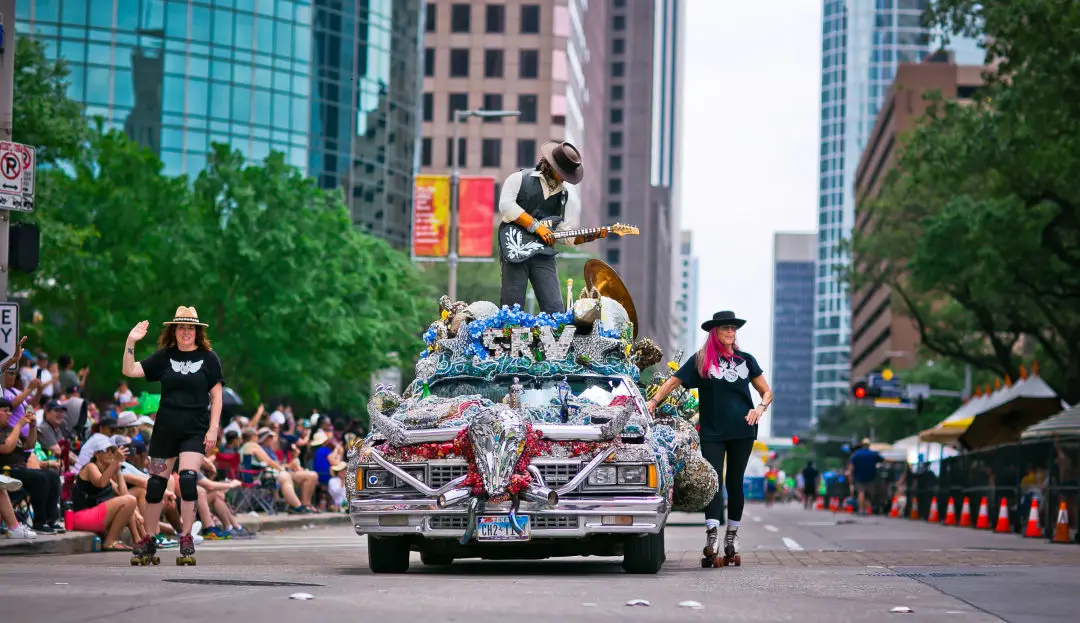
(710, 555)
(731, 548)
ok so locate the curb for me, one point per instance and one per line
(83, 542)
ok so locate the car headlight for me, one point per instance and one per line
(378, 479)
(415, 473)
(632, 474)
(603, 475)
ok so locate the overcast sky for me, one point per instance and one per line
(749, 149)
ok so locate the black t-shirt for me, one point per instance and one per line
(809, 475)
(724, 396)
(186, 377)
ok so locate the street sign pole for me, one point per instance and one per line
(7, 88)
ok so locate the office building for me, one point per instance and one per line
(690, 336)
(625, 78)
(862, 43)
(332, 84)
(881, 335)
(792, 332)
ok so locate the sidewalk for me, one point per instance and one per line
(83, 542)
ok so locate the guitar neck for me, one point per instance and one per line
(574, 233)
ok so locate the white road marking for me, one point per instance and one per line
(792, 545)
(756, 518)
(771, 528)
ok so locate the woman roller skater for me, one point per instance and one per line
(187, 420)
(723, 375)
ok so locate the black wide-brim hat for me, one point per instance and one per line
(565, 159)
(720, 319)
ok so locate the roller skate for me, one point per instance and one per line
(710, 556)
(187, 552)
(731, 548)
(144, 553)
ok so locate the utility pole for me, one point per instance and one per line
(7, 114)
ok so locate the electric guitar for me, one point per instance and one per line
(517, 244)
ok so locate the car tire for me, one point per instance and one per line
(644, 554)
(435, 559)
(388, 554)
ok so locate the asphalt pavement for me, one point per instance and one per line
(797, 566)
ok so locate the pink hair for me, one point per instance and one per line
(712, 351)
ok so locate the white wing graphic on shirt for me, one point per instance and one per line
(729, 372)
(186, 367)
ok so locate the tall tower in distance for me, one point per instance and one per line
(792, 332)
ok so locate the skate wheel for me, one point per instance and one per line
(155, 560)
(738, 560)
(705, 563)
(135, 562)
(718, 562)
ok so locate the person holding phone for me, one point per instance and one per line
(188, 418)
(43, 487)
(100, 502)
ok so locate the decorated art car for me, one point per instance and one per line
(527, 437)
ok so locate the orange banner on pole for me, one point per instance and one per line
(476, 216)
(431, 216)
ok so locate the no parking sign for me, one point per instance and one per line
(17, 164)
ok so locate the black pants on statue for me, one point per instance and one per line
(43, 487)
(738, 455)
(543, 272)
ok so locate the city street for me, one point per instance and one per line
(797, 565)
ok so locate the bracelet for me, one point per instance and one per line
(535, 225)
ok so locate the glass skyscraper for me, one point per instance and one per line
(792, 332)
(862, 42)
(313, 79)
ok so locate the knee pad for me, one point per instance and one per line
(189, 490)
(155, 489)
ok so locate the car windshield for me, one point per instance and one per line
(539, 391)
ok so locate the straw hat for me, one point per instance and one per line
(186, 315)
(319, 438)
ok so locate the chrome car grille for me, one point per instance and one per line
(539, 522)
(442, 473)
(555, 474)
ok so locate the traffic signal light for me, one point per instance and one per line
(862, 390)
(794, 440)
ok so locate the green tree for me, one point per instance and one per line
(44, 116)
(978, 230)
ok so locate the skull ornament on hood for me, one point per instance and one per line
(497, 436)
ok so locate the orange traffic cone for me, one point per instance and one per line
(834, 505)
(895, 510)
(965, 514)
(1003, 525)
(914, 509)
(933, 518)
(950, 513)
(1033, 530)
(820, 505)
(1061, 530)
(983, 522)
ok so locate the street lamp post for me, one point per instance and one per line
(455, 178)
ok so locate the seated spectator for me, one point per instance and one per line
(336, 487)
(123, 397)
(232, 443)
(54, 428)
(144, 429)
(215, 491)
(100, 501)
(104, 427)
(127, 424)
(254, 456)
(43, 487)
(70, 381)
(14, 529)
(326, 454)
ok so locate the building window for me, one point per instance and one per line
(491, 153)
(493, 63)
(617, 93)
(618, 24)
(460, 16)
(429, 106)
(612, 256)
(529, 64)
(615, 140)
(615, 163)
(526, 153)
(429, 62)
(429, 17)
(616, 115)
(425, 150)
(459, 63)
(495, 18)
(614, 208)
(614, 186)
(458, 101)
(618, 46)
(527, 106)
(530, 19)
(492, 101)
(462, 150)
(618, 70)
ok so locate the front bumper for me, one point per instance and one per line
(573, 517)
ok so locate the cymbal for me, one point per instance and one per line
(599, 275)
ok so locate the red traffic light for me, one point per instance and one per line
(860, 392)
(794, 440)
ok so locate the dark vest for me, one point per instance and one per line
(531, 198)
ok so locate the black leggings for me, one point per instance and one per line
(738, 455)
(43, 487)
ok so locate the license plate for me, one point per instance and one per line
(497, 528)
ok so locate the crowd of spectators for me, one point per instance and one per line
(68, 465)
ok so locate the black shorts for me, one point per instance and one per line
(176, 432)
